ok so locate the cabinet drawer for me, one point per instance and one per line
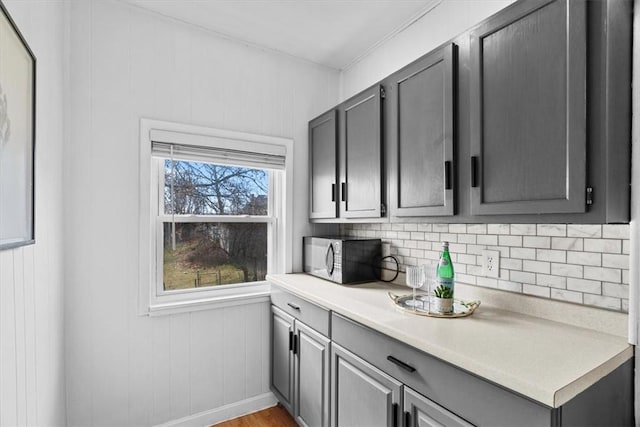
(310, 314)
(466, 395)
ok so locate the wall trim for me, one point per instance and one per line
(225, 412)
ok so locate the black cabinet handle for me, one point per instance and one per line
(333, 192)
(447, 175)
(401, 364)
(295, 344)
(474, 171)
(294, 306)
(395, 414)
(407, 419)
(290, 340)
(343, 191)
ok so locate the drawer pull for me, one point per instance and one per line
(294, 306)
(401, 364)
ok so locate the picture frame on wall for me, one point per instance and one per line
(17, 136)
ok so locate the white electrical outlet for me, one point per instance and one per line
(491, 263)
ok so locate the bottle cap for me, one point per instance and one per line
(445, 244)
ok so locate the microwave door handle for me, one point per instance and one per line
(329, 259)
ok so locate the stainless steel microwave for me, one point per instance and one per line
(342, 260)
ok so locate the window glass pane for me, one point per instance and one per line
(210, 189)
(211, 254)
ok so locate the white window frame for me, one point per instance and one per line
(153, 299)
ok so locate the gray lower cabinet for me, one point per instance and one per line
(311, 373)
(362, 395)
(422, 412)
(300, 368)
(282, 357)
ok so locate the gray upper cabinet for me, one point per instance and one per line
(361, 155)
(323, 140)
(421, 116)
(528, 110)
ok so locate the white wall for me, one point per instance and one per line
(31, 282)
(123, 369)
(444, 22)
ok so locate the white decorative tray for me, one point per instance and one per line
(422, 306)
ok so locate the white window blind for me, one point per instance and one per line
(203, 148)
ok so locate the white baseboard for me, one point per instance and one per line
(224, 413)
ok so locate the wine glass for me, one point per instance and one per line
(428, 276)
(415, 278)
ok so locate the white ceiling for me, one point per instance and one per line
(335, 33)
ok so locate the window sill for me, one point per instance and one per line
(246, 295)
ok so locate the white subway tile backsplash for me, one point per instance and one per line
(458, 228)
(584, 230)
(568, 296)
(551, 230)
(585, 286)
(580, 263)
(477, 228)
(487, 239)
(487, 282)
(541, 242)
(440, 228)
(604, 274)
(467, 238)
(615, 261)
(417, 235)
(498, 229)
(511, 263)
(551, 255)
(536, 267)
(584, 258)
(523, 253)
(510, 241)
(602, 301)
(522, 276)
(617, 290)
(603, 245)
(567, 243)
(615, 231)
(510, 286)
(424, 227)
(539, 291)
(559, 282)
(567, 270)
(523, 229)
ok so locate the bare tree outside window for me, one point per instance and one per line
(214, 253)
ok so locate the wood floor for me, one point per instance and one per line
(271, 417)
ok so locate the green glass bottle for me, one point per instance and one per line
(444, 273)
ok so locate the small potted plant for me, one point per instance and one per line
(443, 300)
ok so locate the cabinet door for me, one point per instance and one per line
(422, 412)
(421, 161)
(361, 156)
(282, 357)
(362, 395)
(528, 110)
(311, 377)
(323, 165)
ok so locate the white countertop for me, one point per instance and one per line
(547, 361)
